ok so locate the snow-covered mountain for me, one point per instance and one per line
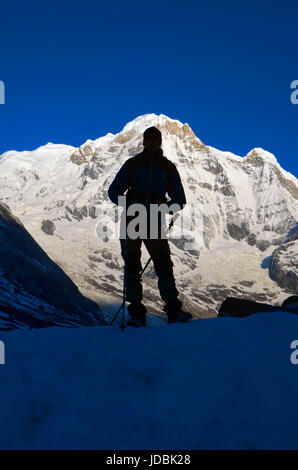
(249, 207)
(34, 291)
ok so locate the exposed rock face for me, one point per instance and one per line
(48, 227)
(238, 232)
(240, 308)
(77, 213)
(79, 157)
(287, 183)
(293, 299)
(125, 137)
(292, 235)
(34, 291)
(284, 266)
(263, 244)
(251, 239)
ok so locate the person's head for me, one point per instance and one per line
(152, 138)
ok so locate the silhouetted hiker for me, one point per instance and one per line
(148, 176)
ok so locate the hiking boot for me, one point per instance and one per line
(137, 313)
(175, 313)
(182, 317)
(136, 322)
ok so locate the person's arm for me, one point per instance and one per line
(175, 189)
(121, 183)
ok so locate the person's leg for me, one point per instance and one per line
(160, 253)
(131, 253)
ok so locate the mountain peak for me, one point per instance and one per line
(258, 152)
(162, 122)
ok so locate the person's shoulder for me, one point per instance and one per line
(135, 158)
(169, 165)
(130, 161)
(134, 161)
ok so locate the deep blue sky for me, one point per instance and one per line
(77, 70)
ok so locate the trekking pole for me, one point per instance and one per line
(122, 306)
(167, 231)
(122, 326)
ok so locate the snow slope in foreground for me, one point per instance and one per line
(211, 384)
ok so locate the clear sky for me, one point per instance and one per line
(75, 70)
